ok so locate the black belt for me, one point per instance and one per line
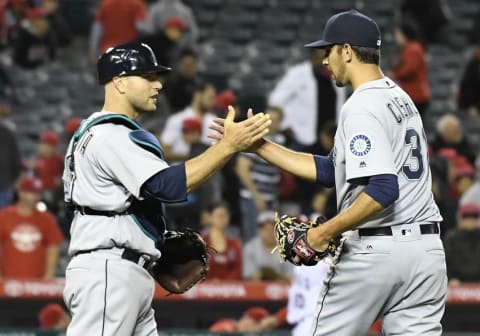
(432, 228)
(142, 259)
(84, 210)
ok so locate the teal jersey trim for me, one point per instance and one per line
(147, 141)
(111, 118)
(148, 234)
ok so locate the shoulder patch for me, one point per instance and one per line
(360, 145)
(147, 141)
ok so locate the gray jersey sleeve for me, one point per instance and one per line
(126, 162)
(368, 150)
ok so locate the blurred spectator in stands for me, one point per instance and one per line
(230, 182)
(260, 181)
(71, 126)
(191, 134)
(464, 178)
(162, 10)
(10, 164)
(249, 322)
(48, 167)
(35, 44)
(224, 99)
(226, 261)
(58, 24)
(192, 143)
(166, 43)
(472, 195)
(319, 202)
(303, 294)
(439, 167)
(274, 321)
(53, 317)
(211, 191)
(449, 134)
(309, 98)
(188, 213)
(323, 146)
(258, 261)
(192, 131)
(325, 138)
(410, 69)
(180, 83)
(116, 22)
(430, 15)
(172, 136)
(49, 164)
(205, 216)
(462, 246)
(11, 14)
(468, 97)
(29, 235)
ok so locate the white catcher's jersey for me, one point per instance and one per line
(109, 169)
(380, 132)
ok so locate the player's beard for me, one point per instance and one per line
(340, 76)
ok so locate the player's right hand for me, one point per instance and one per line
(240, 136)
(260, 119)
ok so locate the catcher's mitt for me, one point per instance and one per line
(184, 261)
(292, 245)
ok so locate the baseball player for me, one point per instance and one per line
(302, 296)
(392, 263)
(115, 181)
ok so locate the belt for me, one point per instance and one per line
(432, 228)
(84, 210)
(141, 259)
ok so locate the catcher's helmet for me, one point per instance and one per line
(127, 59)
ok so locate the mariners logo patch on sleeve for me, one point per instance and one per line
(360, 145)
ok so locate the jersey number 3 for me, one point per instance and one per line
(413, 168)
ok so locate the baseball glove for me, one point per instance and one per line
(184, 261)
(291, 237)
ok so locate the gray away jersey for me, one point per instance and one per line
(109, 170)
(380, 132)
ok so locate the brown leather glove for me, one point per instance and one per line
(183, 263)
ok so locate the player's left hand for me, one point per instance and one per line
(293, 245)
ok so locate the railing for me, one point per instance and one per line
(209, 290)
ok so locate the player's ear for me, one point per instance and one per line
(119, 83)
(347, 52)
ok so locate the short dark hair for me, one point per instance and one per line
(187, 52)
(410, 29)
(216, 205)
(367, 55)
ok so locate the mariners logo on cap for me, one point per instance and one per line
(360, 145)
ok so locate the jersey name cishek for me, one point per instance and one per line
(380, 132)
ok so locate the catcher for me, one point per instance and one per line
(115, 183)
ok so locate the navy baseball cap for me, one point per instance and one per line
(350, 27)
